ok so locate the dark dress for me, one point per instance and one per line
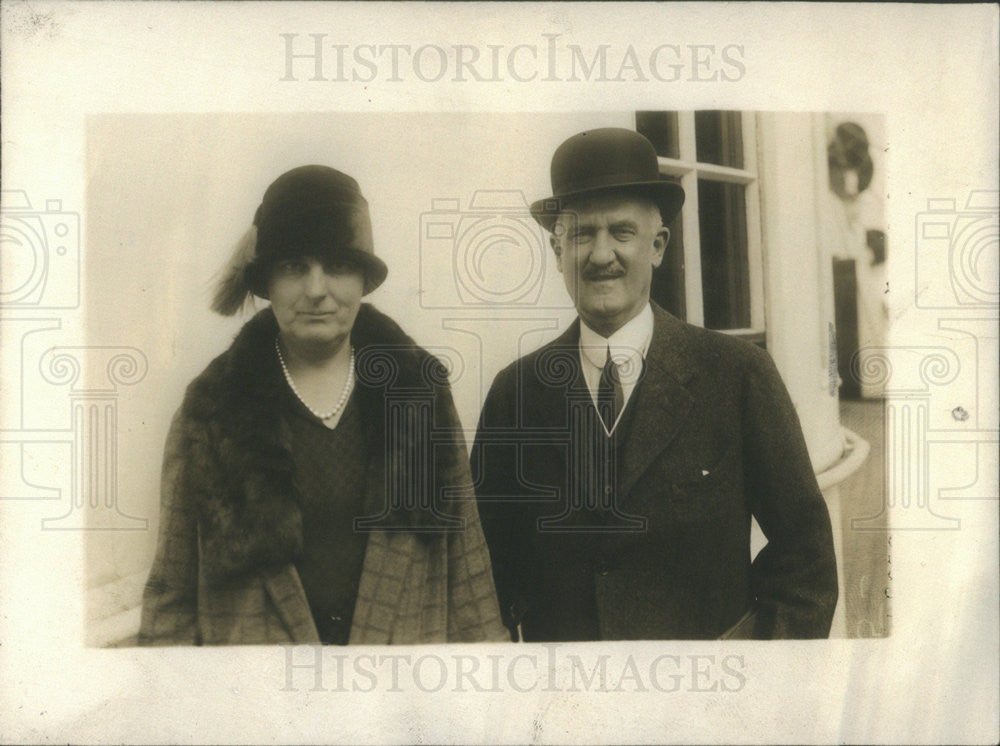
(330, 468)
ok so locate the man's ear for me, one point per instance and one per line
(660, 241)
(557, 248)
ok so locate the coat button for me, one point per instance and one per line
(603, 569)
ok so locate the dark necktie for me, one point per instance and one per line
(610, 396)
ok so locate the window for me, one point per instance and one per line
(712, 274)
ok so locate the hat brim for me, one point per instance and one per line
(375, 270)
(667, 195)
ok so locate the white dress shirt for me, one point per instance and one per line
(628, 348)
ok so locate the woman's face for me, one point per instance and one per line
(315, 302)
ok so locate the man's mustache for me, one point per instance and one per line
(603, 273)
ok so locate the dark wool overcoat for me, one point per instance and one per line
(231, 527)
(713, 440)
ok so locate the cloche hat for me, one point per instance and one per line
(308, 211)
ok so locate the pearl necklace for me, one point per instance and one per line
(348, 384)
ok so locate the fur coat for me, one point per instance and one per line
(230, 525)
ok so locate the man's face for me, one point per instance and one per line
(315, 302)
(606, 248)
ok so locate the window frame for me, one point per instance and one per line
(689, 170)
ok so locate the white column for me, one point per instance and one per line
(797, 276)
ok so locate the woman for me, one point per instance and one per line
(307, 472)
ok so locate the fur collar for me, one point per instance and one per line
(239, 469)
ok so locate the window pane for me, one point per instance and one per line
(719, 138)
(725, 275)
(660, 128)
(667, 287)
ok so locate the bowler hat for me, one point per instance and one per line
(606, 160)
(314, 211)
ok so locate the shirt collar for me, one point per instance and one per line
(625, 344)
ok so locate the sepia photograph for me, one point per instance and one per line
(465, 315)
(486, 373)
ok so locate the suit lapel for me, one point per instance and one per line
(556, 375)
(554, 385)
(662, 401)
(663, 404)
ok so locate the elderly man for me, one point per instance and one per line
(617, 467)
